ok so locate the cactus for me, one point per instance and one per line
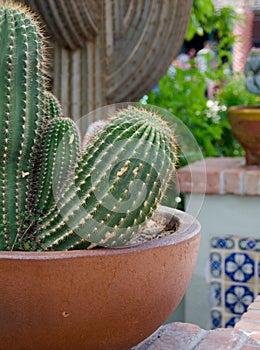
(252, 72)
(21, 112)
(59, 151)
(133, 153)
(52, 106)
(54, 195)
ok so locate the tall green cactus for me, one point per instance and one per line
(118, 182)
(54, 196)
(21, 112)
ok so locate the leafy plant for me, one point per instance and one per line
(204, 18)
(182, 92)
(200, 21)
(184, 96)
(234, 92)
(55, 195)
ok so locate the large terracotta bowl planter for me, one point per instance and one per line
(245, 124)
(107, 299)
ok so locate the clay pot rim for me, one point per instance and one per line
(244, 109)
(189, 228)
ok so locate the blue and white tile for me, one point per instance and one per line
(234, 273)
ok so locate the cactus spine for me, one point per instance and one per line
(118, 183)
(21, 111)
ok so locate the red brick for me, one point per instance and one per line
(191, 179)
(248, 325)
(233, 181)
(224, 162)
(222, 175)
(252, 181)
(254, 306)
(221, 339)
(253, 315)
(185, 336)
(251, 344)
(176, 336)
(213, 185)
(257, 299)
(256, 337)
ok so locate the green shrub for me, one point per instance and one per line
(183, 94)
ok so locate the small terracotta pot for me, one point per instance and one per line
(95, 300)
(245, 124)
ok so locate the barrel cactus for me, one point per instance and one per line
(55, 194)
(118, 182)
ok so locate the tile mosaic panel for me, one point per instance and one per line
(234, 278)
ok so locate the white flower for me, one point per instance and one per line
(210, 103)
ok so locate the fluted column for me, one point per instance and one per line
(243, 30)
(109, 51)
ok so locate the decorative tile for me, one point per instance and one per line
(215, 264)
(230, 321)
(238, 298)
(234, 266)
(222, 242)
(239, 267)
(249, 244)
(215, 293)
(216, 318)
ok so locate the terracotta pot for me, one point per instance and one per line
(245, 124)
(93, 300)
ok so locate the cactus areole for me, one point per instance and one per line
(54, 194)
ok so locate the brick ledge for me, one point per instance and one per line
(220, 176)
(185, 336)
